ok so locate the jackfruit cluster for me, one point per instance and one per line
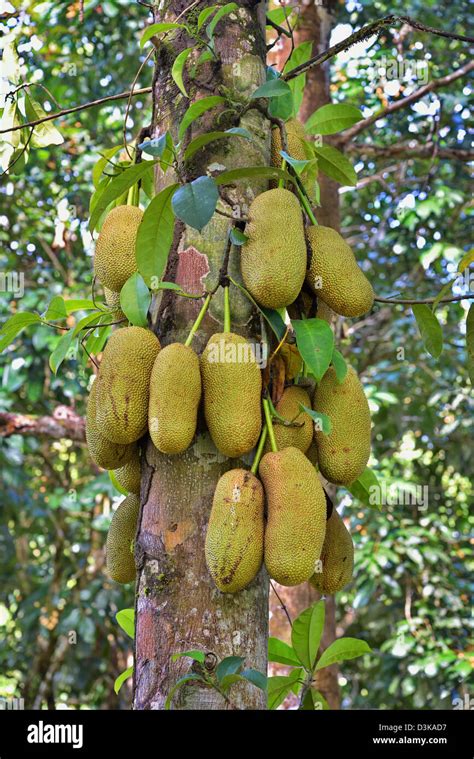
(300, 435)
(119, 551)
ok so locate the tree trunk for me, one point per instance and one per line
(315, 24)
(177, 606)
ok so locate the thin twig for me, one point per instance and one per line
(453, 299)
(282, 604)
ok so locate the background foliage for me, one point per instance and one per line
(409, 226)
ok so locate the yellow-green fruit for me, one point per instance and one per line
(343, 454)
(296, 522)
(104, 453)
(232, 386)
(312, 455)
(288, 407)
(129, 475)
(114, 260)
(120, 538)
(334, 274)
(123, 384)
(112, 300)
(234, 539)
(337, 557)
(273, 260)
(175, 392)
(295, 135)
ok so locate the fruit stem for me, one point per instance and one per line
(306, 205)
(259, 451)
(133, 196)
(281, 181)
(226, 309)
(198, 321)
(268, 419)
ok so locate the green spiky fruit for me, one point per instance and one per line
(343, 454)
(234, 539)
(289, 408)
(112, 301)
(175, 392)
(296, 522)
(123, 384)
(232, 386)
(334, 274)
(105, 454)
(120, 539)
(273, 260)
(129, 475)
(337, 558)
(295, 136)
(114, 260)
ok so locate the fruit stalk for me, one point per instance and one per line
(198, 321)
(268, 419)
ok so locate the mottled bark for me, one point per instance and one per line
(177, 605)
(315, 25)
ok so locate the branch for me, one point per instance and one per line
(64, 423)
(75, 108)
(411, 149)
(432, 86)
(362, 34)
(453, 299)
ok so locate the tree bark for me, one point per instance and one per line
(315, 24)
(177, 606)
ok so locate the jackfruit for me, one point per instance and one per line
(112, 301)
(105, 454)
(129, 475)
(337, 558)
(296, 522)
(114, 260)
(292, 360)
(232, 386)
(288, 407)
(123, 384)
(295, 136)
(312, 455)
(234, 539)
(175, 392)
(343, 454)
(274, 259)
(334, 274)
(119, 556)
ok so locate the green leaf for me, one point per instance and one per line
(79, 304)
(270, 172)
(299, 166)
(367, 489)
(197, 109)
(182, 681)
(155, 236)
(199, 656)
(315, 341)
(443, 292)
(195, 202)
(102, 163)
(168, 286)
(335, 165)
(155, 147)
(333, 118)
(342, 650)
(204, 15)
(115, 482)
(56, 310)
(306, 634)
(282, 653)
(278, 15)
(204, 139)
(117, 187)
(301, 54)
(279, 687)
(470, 342)
(43, 134)
(224, 11)
(466, 260)
(322, 420)
(430, 329)
(314, 700)
(256, 678)
(135, 300)
(178, 69)
(94, 319)
(60, 352)
(154, 29)
(231, 665)
(14, 325)
(237, 237)
(126, 620)
(275, 88)
(340, 367)
(122, 678)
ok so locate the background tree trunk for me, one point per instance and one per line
(315, 25)
(177, 606)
